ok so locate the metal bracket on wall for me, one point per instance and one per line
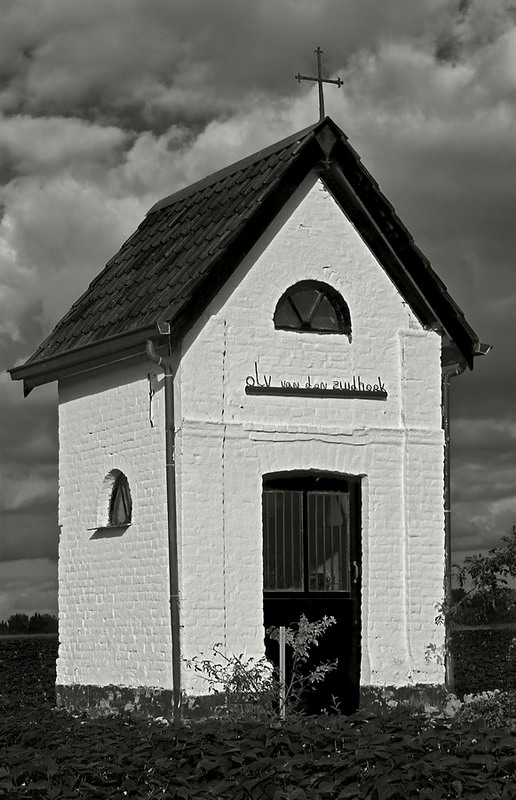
(150, 377)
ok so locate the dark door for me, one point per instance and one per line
(311, 555)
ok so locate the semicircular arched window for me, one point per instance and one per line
(314, 307)
(120, 504)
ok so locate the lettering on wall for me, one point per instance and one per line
(310, 387)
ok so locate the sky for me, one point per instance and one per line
(106, 107)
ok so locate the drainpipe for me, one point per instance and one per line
(449, 371)
(165, 363)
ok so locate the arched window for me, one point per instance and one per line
(115, 506)
(120, 505)
(314, 307)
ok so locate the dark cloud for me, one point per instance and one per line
(31, 533)
(153, 61)
(28, 474)
(109, 106)
(27, 586)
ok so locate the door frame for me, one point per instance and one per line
(307, 480)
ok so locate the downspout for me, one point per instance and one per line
(448, 372)
(165, 363)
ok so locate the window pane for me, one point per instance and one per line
(305, 300)
(285, 316)
(282, 540)
(311, 306)
(328, 541)
(120, 511)
(325, 317)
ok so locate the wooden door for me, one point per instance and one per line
(311, 562)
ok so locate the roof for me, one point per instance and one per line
(189, 243)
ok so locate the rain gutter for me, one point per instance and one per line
(165, 362)
(448, 372)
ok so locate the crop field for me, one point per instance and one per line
(49, 754)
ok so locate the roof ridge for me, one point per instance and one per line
(231, 169)
(191, 241)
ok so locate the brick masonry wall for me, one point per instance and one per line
(114, 617)
(229, 440)
(113, 589)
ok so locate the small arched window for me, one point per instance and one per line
(120, 505)
(312, 306)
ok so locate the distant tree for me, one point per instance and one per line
(48, 623)
(23, 624)
(35, 623)
(18, 623)
(490, 598)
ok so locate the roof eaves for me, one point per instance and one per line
(430, 291)
(83, 358)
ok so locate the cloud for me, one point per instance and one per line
(40, 146)
(30, 532)
(51, 270)
(149, 62)
(28, 586)
(109, 107)
(483, 482)
(28, 472)
(482, 524)
(20, 492)
(19, 286)
(485, 454)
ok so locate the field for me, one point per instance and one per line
(49, 754)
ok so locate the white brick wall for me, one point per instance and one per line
(228, 440)
(114, 592)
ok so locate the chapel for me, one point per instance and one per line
(253, 425)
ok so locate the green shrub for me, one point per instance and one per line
(495, 709)
(245, 685)
(482, 660)
(489, 599)
(252, 687)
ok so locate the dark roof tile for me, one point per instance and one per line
(196, 235)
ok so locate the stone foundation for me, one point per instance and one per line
(142, 702)
(147, 702)
(420, 698)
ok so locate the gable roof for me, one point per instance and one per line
(189, 243)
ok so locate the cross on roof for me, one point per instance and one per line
(320, 80)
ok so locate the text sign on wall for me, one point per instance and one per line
(355, 388)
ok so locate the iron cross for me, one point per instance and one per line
(320, 80)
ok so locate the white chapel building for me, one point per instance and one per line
(253, 424)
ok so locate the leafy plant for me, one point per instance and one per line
(488, 600)
(49, 754)
(495, 709)
(489, 597)
(252, 686)
(247, 684)
(482, 660)
(435, 653)
(511, 659)
(301, 675)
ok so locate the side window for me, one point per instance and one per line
(312, 306)
(115, 505)
(120, 507)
